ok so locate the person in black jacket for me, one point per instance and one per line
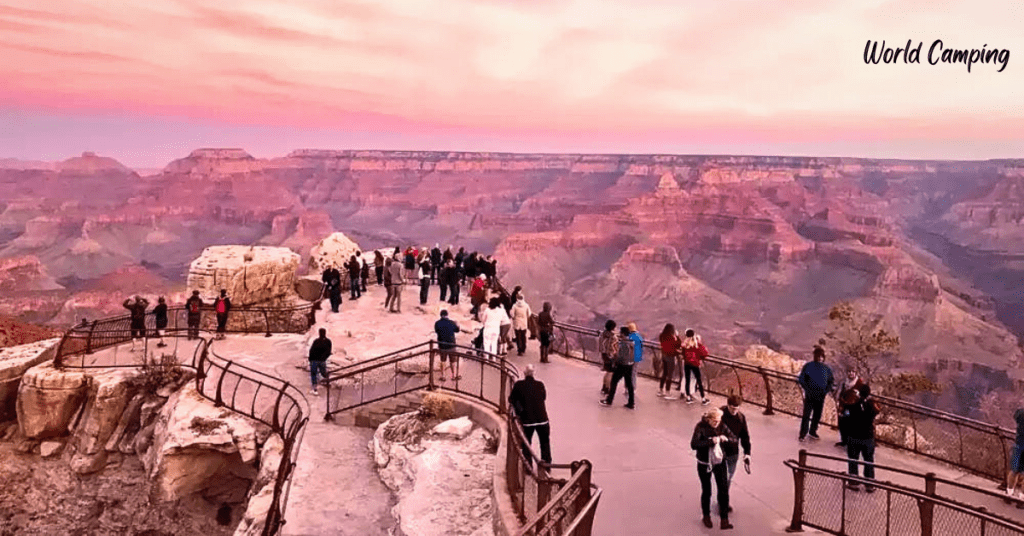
(860, 436)
(334, 290)
(354, 272)
(817, 382)
(711, 431)
(319, 351)
(435, 262)
(194, 307)
(222, 305)
(378, 267)
(160, 315)
(527, 399)
(737, 423)
(138, 317)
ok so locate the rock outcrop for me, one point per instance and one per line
(250, 274)
(14, 361)
(48, 400)
(333, 251)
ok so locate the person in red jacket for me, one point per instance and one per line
(694, 354)
(670, 346)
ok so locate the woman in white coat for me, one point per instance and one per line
(493, 317)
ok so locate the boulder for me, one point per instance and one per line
(107, 397)
(334, 250)
(14, 361)
(250, 274)
(48, 399)
(48, 449)
(459, 428)
(259, 504)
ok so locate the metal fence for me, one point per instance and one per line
(824, 501)
(545, 504)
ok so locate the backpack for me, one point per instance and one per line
(193, 306)
(222, 307)
(625, 354)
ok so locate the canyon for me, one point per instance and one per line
(744, 249)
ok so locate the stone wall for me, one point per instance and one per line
(250, 274)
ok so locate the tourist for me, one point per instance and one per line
(435, 262)
(737, 423)
(423, 275)
(334, 289)
(364, 271)
(447, 255)
(443, 276)
(860, 436)
(397, 282)
(1013, 478)
(546, 331)
(624, 363)
(460, 259)
(137, 310)
(528, 400)
(222, 305)
(354, 272)
(521, 313)
(694, 352)
(816, 381)
(670, 347)
(514, 297)
(846, 394)
(608, 346)
(319, 351)
(410, 262)
(454, 277)
(194, 307)
(709, 439)
(325, 277)
(492, 318)
(477, 294)
(160, 316)
(469, 267)
(445, 328)
(378, 267)
(389, 291)
(638, 349)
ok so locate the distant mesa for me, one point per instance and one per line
(90, 163)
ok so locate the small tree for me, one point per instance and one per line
(860, 337)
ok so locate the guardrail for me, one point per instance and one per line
(227, 384)
(823, 501)
(544, 504)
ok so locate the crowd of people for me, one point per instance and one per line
(194, 305)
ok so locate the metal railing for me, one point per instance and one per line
(546, 505)
(244, 390)
(823, 500)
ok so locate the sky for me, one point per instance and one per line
(147, 82)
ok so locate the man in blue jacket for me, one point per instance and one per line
(638, 348)
(817, 382)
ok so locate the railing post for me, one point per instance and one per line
(927, 508)
(276, 421)
(798, 494)
(768, 409)
(219, 400)
(88, 340)
(584, 496)
(430, 374)
(501, 391)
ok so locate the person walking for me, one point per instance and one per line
(492, 318)
(446, 329)
(319, 351)
(521, 314)
(528, 399)
(425, 270)
(623, 370)
(737, 423)
(160, 316)
(608, 345)
(222, 305)
(710, 437)
(817, 382)
(546, 331)
(860, 436)
(354, 272)
(694, 352)
(194, 309)
(671, 345)
(638, 349)
(137, 312)
(397, 282)
(378, 267)
(846, 394)
(1013, 477)
(334, 289)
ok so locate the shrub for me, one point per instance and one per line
(153, 375)
(437, 406)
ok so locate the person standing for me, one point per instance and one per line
(860, 436)
(670, 347)
(319, 351)
(160, 316)
(846, 394)
(528, 399)
(389, 291)
(546, 331)
(694, 353)
(623, 370)
(137, 312)
(364, 271)
(222, 306)
(710, 437)
(445, 328)
(454, 280)
(194, 308)
(354, 272)
(492, 318)
(443, 275)
(435, 262)
(425, 271)
(334, 289)
(397, 282)
(737, 423)
(478, 294)
(608, 345)
(817, 382)
(638, 349)
(378, 267)
(1013, 477)
(521, 314)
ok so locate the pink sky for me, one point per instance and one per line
(148, 81)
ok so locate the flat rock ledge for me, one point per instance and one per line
(442, 483)
(14, 361)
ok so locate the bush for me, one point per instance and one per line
(438, 406)
(153, 375)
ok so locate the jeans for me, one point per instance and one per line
(731, 462)
(695, 371)
(335, 302)
(379, 272)
(520, 341)
(314, 368)
(811, 416)
(620, 372)
(424, 289)
(444, 291)
(453, 291)
(543, 437)
(354, 288)
(720, 474)
(861, 447)
(396, 299)
(193, 326)
(668, 368)
(222, 322)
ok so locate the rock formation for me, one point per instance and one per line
(250, 274)
(332, 251)
(14, 361)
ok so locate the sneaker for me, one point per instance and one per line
(801, 439)
(161, 345)
(689, 399)
(604, 402)
(705, 402)
(814, 435)
(629, 406)
(869, 489)
(853, 486)
(661, 394)
(315, 392)
(441, 378)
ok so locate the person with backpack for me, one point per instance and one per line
(608, 346)
(319, 351)
(623, 369)
(546, 332)
(160, 316)
(694, 354)
(710, 437)
(222, 306)
(670, 347)
(194, 309)
(137, 310)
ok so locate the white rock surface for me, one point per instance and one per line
(250, 274)
(334, 250)
(48, 399)
(106, 399)
(14, 361)
(259, 504)
(460, 428)
(50, 448)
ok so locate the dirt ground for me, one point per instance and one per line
(44, 497)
